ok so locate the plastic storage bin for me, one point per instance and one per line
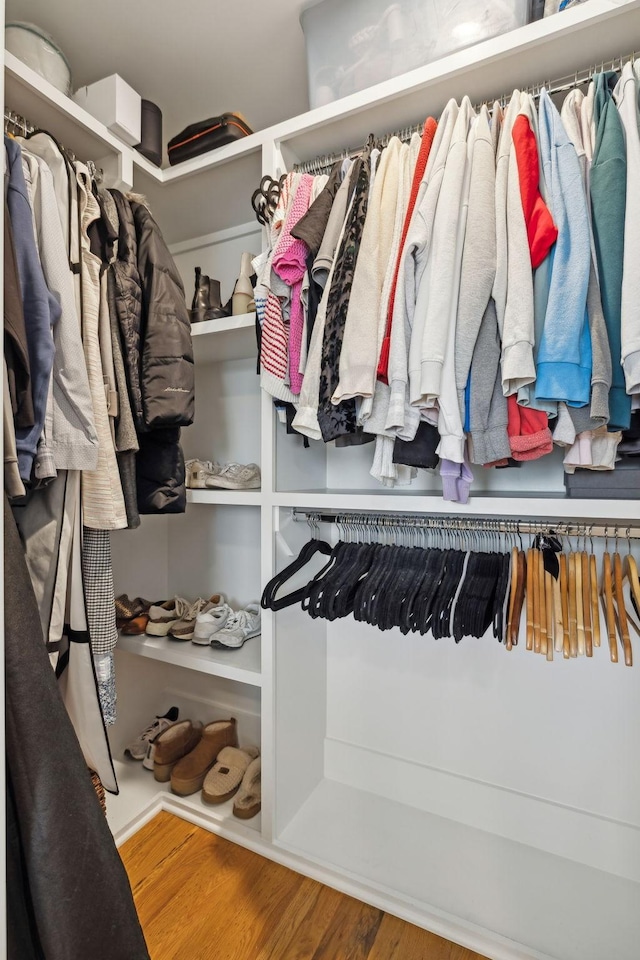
(40, 52)
(352, 44)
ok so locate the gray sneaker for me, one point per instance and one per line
(197, 472)
(139, 748)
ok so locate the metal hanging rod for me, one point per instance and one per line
(611, 531)
(16, 124)
(559, 85)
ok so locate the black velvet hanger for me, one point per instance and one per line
(269, 601)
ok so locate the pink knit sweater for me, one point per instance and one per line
(289, 263)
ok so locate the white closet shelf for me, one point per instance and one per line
(42, 104)
(241, 665)
(212, 192)
(231, 338)
(141, 797)
(234, 498)
(496, 505)
(549, 48)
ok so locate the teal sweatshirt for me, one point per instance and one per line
(563, 369)
(608, 203)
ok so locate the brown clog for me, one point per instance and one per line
(223, 781)
(172, 745)
(249, 797)
(135, 627)
(187, 776)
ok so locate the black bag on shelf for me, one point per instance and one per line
(199, 138)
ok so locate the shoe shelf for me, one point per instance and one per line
(141, 797)
(553, 506)
(231, 338)
(240, 498)
(242, 665)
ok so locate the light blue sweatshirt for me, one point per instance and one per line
(564, 358)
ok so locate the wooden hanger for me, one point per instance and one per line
(623, 623)
(564, 599)
(573, 606)
(582, 646)
(586, 603)
(595, 609)
(530, 599)
(606, 595)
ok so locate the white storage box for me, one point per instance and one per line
(116, 104)
(352, 44)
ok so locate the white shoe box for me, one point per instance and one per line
(114, 103)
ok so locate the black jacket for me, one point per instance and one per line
(148, 297)
(68, 896)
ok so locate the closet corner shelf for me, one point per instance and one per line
(226, 498)
(42, 104)
(231, 338)
(494, 505)
(141, 795)
(241, 665)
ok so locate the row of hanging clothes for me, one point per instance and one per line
(470, 297)
(463, 578)
(98, 381)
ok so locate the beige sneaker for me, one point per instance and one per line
(183, 628)
(162, 617)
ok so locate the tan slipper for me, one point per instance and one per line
(224, 779)
(248, 800)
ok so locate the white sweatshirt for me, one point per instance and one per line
(373, 406)
(438, 292)
(505, 147)
(418, 242)
(360, 350)
(513, 286)
(626, 97)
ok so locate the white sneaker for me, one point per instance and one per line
(235, 476)
(197, 471)
(240, 626)
(210, 620)
(138, 748)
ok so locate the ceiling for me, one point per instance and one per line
(195, 59)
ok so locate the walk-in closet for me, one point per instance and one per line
(444, 691)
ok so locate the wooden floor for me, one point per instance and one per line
(203, 898)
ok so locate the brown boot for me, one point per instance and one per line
(172, 745)
(188, 775)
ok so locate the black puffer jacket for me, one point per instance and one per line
(167, 373)
(148, 297)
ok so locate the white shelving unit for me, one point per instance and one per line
(231, 338)
(241, 665)
(141, 798)
(491, 798)
(242, 498)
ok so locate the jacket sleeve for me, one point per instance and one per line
(167, 371)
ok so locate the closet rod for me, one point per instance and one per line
(16, 124)
(612, 531)
(559, 85)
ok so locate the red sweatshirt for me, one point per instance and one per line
(541, 230)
